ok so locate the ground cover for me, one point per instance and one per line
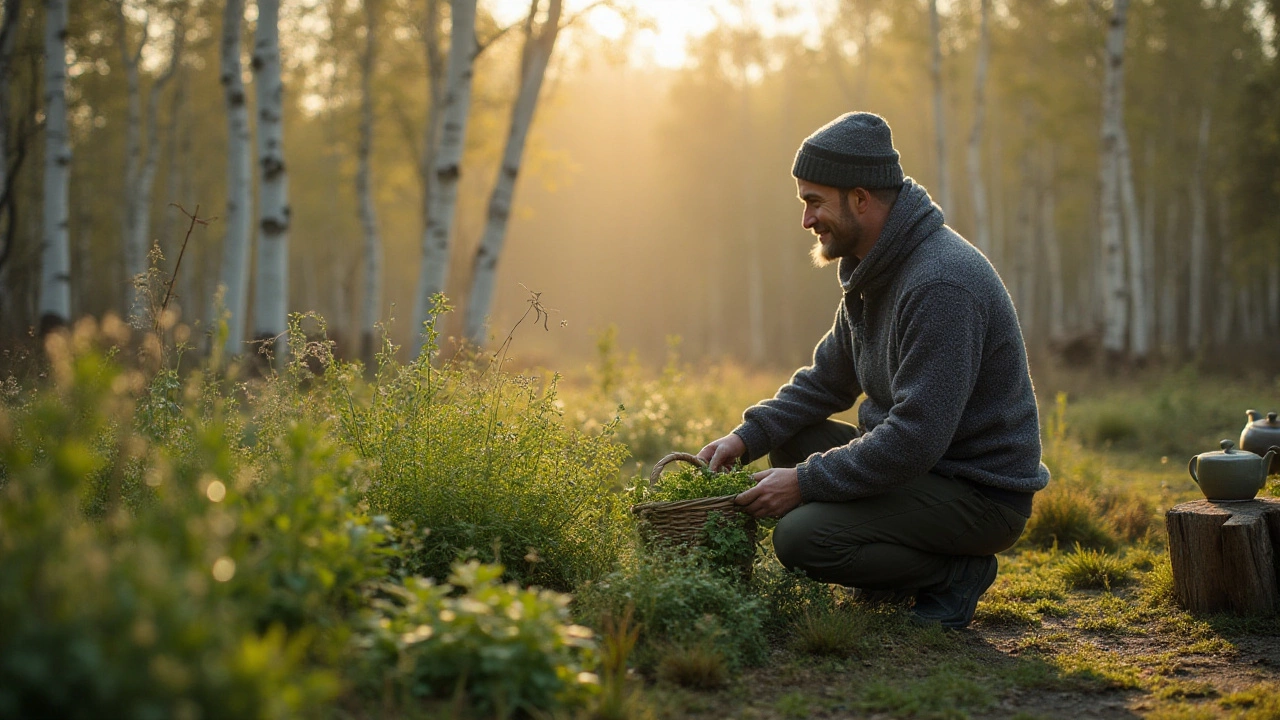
(447, 538)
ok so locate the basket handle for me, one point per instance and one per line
(683, 457)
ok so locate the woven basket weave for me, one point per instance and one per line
(680, 522)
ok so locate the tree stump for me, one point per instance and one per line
(1225, 555)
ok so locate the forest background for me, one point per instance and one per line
(1119, 163)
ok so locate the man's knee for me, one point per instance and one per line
(793, 542)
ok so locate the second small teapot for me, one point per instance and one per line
(1230, 475)
(1261, 433)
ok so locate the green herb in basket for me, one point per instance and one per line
(691, 483)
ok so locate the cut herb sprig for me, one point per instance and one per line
(691, 483)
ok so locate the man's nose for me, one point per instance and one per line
(808, 220)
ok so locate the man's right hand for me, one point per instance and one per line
(720, 454)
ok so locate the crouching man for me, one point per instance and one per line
(940, 472)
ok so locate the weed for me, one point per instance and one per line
(619, 637)
(697, 665)
(788, 595)
(1093, 570)
(837, 632)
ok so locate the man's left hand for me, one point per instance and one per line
(776, 493)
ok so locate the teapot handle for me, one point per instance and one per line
(1191, 468)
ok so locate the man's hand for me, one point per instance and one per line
(720, 454)
(776, 493)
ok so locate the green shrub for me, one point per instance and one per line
(788, 595)
(483, 461)
(679, 599)
(504, 649)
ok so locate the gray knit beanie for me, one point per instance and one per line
(854, 150)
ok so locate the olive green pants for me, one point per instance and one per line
(908, 538)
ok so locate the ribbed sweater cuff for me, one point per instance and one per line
(755, 439)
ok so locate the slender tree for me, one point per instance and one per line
(9, 26)
(981, 221)
(1115, 293)
(55, 270)
(239, 222)
(442, 203)
(1196, 259)
(364, 187)
(939, 119)
(539, 42)
(271, 283)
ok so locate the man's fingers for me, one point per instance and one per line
(746, 497)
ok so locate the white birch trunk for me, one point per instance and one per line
(1149, 244)
(54, 306)
(1115, 294)
(1168, 296)
(442, 203)
(1196, 261)
(939, 121)
(235, 245)
(1139, 321)
(981, 220)
(364, 190)
(533, 69)
(271, 283)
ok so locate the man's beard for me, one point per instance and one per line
(844, 237)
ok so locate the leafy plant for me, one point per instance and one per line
(691, 483)
(502, 649)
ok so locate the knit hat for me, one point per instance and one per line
(854, 150)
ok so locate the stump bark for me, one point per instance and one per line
(1224, 555)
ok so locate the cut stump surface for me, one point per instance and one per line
(1224, 555)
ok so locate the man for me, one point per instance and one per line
(940, 475)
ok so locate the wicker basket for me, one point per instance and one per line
(681, 522)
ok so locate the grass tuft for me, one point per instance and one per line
(1087, 569)
(1065, 516)
(700, 666)
(836, 632)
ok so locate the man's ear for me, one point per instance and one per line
(859, 200)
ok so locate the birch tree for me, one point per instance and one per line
(939, 121)
(54, 306)
(235, 244)
(1115, 294)
(443, 190)
(364, 187)
(1052, 252)
(271, 284)
(1196, 254)
(9, 24)
(141, 153)
(1139, 320)
(981, 221)
(539, 42)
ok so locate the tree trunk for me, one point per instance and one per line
(939, 122)
(1273, 295)
(1225, 319)
(135, 247)
(364, 189)
(54, 306)
(1224, 556)
(538, 47)
(1139, 322)
(1053, 252)
(1149, 243)
(239, 223)
(9, 26)
(271, 284)
(981, 221)
(1168, 288)
(442, 203)
(1196, 261)
(1115, 294)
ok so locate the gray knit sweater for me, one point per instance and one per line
(927, 330)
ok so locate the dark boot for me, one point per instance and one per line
(953, 605)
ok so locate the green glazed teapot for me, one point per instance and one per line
(1230, 475)
(1261, 433)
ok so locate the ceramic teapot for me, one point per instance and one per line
(1261, 433)
(1230, 475)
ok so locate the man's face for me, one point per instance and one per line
(828, 215)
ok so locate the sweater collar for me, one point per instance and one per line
(913, 218)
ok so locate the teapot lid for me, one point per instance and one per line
(1229, 453)
(1270, 421)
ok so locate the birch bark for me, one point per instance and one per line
(54, 306)
(1115, 294)
(1139, 320)
(981, 220)
(939, 121)
(443, 192)
(1196, 261)
(538, 47)
(235, 245)
(364, 189)
(271, 284)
